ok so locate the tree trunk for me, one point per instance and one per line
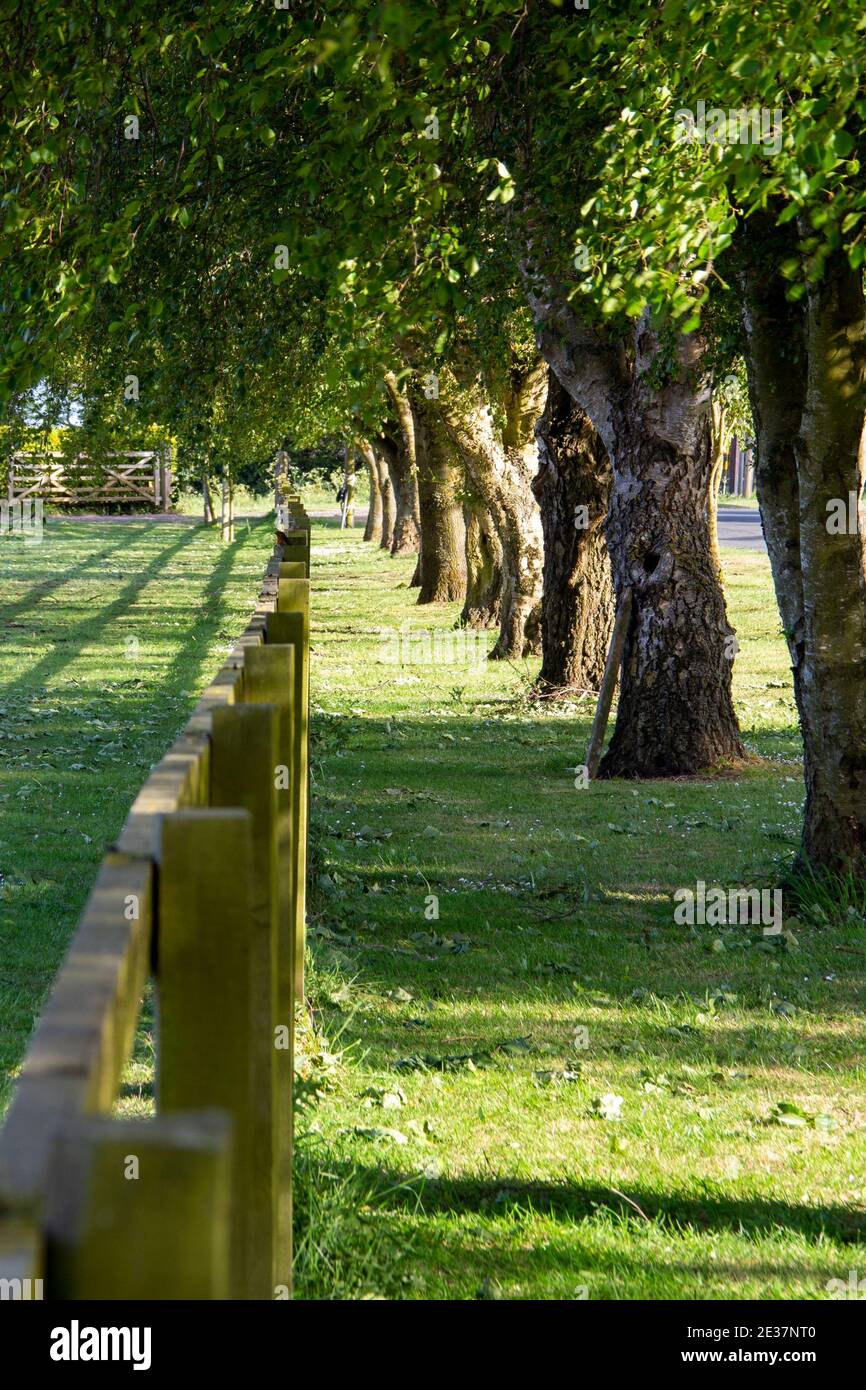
(483, 568)
(209, 512)
(496, 440)
(404, 476)
(675, 714)
(776, 368)
(349, 483)
(806, 368)
(373, 528)
(386, 488)
(830, 465)
(573, 491)
(720, 444)
(403, 512)
(443, 530)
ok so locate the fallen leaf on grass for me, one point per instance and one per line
(457, 1061)
(378, 1133)
(609, 1106)
(399, 995)
(793, 1116)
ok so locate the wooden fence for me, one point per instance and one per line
(143, 476)
(204, 892)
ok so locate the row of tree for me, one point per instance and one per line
(468, 234)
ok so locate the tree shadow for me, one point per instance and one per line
(672, 1210)
(45, 587)
(76, 637)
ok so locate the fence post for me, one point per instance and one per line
(245, 762)
(22, 1250)
(139, 1209)
(165, 478)
(296, 555)
(269, 677)
(291, 625)
(209, 1028)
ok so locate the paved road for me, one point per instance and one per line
(740, 526)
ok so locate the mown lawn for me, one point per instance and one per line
(108, 631)
(460, 1075)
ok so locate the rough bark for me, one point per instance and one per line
(483, 602)
(574, 473)
(830, 465)
(776, 369)
(209, 513)
(720, 444)
(386, 488)
(806, 373)
(404, 476)
(495, 435)
(649, 401)
(443, 529)
(373, 528)
(390, 451)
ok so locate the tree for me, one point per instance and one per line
(492, 425)
(573, 491)
(784, 212)
(641, 379)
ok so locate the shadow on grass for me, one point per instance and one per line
(40, 591)
(76, 637)
(191, 662)
(573, 1202)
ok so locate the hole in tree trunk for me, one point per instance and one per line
(650, 560)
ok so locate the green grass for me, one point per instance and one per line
(555, 917)
(314, 495)
(733, 499)
(108, 631)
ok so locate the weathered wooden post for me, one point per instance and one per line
(139, 1209)
(209, 969)
(297, 554)
(290, 624)
(166, 477)
(245, 758)
(269, 677)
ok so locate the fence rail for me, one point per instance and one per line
(142, 476)
(204, 894)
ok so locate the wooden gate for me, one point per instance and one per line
(142, 476)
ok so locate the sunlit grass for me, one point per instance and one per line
(495, 1038)
(555, 977)
(108, 631)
